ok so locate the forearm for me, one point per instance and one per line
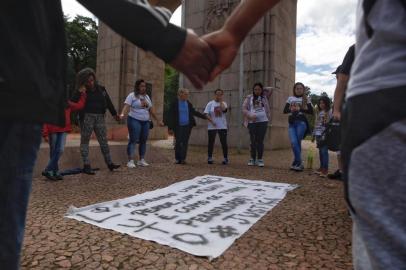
(125, 110)
(249, 12)
(287, 108)
(152, 112)
(339, 92)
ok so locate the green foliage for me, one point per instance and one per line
(171, 88)
(81, 37)
(81, 45)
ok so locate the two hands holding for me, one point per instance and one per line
(202, 59)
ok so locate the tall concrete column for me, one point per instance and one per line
(120, 64)
(269, 58)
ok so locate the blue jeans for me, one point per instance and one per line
(323, 154)
(138, 131)
(56, 147)
(19, 143)
(296, 134)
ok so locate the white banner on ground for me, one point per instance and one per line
(202, 216)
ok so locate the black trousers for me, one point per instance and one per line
(223, 140)
(182, 135)
(257, 136)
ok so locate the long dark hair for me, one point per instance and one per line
(137, 86)
(262, 90)
(304, 96)
(326, 101)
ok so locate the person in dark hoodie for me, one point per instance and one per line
(33, 85)
(92, 118)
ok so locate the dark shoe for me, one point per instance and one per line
(183, 162)
(113, 166)
(335, 176)
(49, 175)
(88, 170)
(58, 176)
(210, 160)
(177, 162)
(225, 161)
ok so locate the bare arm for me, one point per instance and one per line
(341, 87)
(125, 111)
(153, 114)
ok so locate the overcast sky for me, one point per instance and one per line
(325, 30)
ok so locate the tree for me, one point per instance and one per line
(171, 88)
(81, 37)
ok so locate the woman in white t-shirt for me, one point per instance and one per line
(216, 111)
(257, 114)
(138, 105)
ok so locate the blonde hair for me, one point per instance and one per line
(183, 91)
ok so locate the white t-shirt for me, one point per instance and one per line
(137, 111)
(380, 61)
(213, 109)
(258, 108)
(297, 101)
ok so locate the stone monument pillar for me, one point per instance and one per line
(269, 57)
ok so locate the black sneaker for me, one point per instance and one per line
(183, 162)
(58, 176)
(210, 160)
(177, 162)
(335, 176)
(88, 170)
(49, 175)
(225, 161)
(113, 166)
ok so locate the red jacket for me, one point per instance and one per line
(72, 106)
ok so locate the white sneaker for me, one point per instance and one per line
(142, 163)
(260, 163)
(251, 162)
(131, 164)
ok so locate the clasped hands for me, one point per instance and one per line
(202, 59)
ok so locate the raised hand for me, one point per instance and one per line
(196, 60)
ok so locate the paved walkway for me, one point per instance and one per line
(309, 229)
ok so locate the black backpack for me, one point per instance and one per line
(332, 136)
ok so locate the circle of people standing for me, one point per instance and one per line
(92, 101)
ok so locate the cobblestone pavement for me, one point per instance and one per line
(309, 229)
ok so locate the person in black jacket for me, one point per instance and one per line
(93, 119)
(181, 121)
(33, 85)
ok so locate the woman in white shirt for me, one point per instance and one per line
(138, 106)
(257, 114)
(216, 111)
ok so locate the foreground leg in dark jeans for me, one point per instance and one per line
(19, 143)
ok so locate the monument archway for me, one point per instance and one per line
(269, 57)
